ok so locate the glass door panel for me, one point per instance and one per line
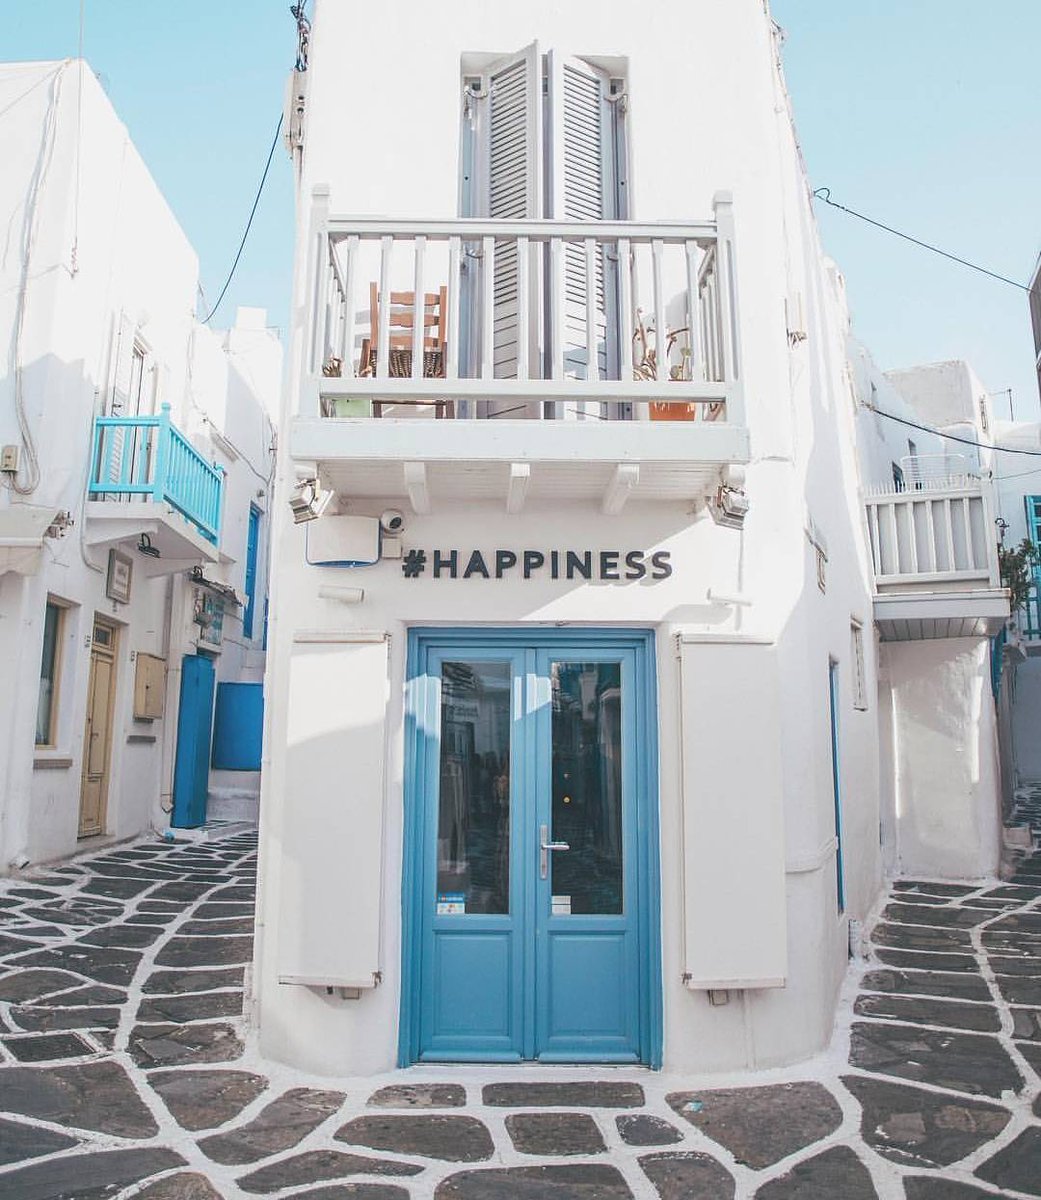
(473, 835)
(586, 799)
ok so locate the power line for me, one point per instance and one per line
(825, 195)
(249, 223)
(953, 437)
(1021, 474)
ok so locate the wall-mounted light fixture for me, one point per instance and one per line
(308, 501)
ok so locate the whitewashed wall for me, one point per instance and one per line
(132, 265)
(707, 113)
(946, 758)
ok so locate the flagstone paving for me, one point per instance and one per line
(128, 1070)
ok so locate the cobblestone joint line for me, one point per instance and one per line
(228, 861)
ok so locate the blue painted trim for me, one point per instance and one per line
(250, 576)
(421, 715)
(997, 659)
(836, 780)
(180, 476)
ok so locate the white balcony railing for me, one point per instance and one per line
(938, 471)
(941, 533)
(543, 319)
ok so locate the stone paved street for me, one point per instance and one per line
(127, 1068)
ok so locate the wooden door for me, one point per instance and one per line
(97, 739)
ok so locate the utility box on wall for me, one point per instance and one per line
(238, 727)
(149, 687)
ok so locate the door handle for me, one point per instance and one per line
(544, 849)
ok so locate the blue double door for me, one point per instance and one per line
(533, 904)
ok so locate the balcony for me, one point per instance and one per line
(934, 549)
(1026, 623)
(474, 358)
(147, 478)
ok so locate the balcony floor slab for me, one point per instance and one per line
(568, 460)
(906, 617)
(180, 545)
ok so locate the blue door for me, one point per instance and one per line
(250, 582)
(532, 903)
(194, 727)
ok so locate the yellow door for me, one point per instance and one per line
(97, 748)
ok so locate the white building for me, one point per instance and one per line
(950, 397)
(572, 743)
(940, 603)
(137, 457)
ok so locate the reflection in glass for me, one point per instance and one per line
(473, 833)
(587, 787)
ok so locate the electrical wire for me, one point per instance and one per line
(74, 256)
(249, 223)
(1020, 474)
(32, 220)
(28, 91)
(953, 437)
(824, 194)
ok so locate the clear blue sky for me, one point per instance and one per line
(923, 114)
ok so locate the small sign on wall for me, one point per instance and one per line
(119, 577)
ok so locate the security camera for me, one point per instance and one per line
(392, 521)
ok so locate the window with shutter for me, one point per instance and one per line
(502, 161)
(526, 156)
(582, 188)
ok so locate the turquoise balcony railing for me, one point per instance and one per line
(1029, 616)
(149, 458)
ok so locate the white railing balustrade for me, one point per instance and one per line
(521, 319)
(934, 534)
(941, 471)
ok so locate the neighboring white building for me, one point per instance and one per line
(931, 526)
(572, 746)
(950, 397)
(137, 444)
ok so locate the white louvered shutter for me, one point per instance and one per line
(122, 361)
(512, 190)
(116, 444)
(582, 188)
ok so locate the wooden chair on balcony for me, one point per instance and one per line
(402, 314)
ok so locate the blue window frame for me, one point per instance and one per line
(252, 542)
(1033, 507)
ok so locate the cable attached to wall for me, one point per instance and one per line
(74, 256)
(31, 481)
(953, 437)
(249, 223)
(824, 194)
